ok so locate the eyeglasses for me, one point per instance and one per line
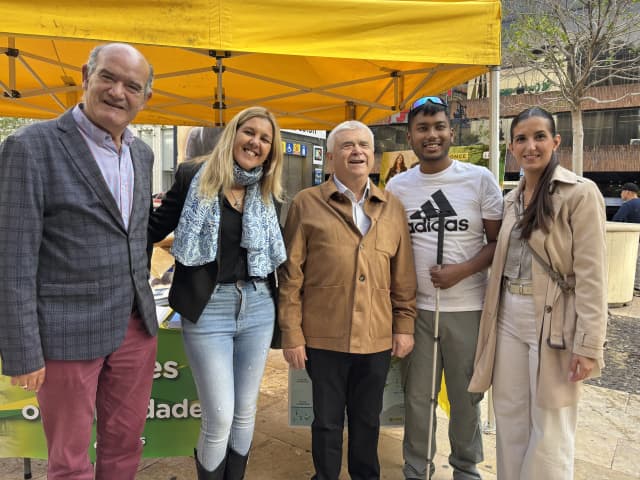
(421, 101)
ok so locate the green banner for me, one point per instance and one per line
(478, 155)
(173, 415)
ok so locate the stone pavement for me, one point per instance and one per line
(607, 446)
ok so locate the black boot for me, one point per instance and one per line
(204, 474)
(236, 465)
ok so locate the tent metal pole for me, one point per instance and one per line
(494, 166)
(12, 65)
(494, 129)
(219, 92)
(349, 110)
(27, 469)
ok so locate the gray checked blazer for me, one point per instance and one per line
(70, 273)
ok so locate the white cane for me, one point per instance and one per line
(444, 210)
(432, 409)
(442, 213)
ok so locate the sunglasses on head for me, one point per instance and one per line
(421, 101)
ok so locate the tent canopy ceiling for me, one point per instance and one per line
(313, 64)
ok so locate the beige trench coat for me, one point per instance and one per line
(575, 245)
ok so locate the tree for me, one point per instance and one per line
(575, 45)
(8, 125)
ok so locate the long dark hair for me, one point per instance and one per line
(540, 210)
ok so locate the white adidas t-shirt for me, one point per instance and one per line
(472, 194)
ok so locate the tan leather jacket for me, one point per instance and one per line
(339, 290)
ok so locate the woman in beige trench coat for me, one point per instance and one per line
(544, 321)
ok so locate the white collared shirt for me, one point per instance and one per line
(357, 206)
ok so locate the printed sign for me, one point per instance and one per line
(297, 149)
(301, 399)
(318, 155)
(173, 414)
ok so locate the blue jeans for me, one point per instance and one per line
(227, 350)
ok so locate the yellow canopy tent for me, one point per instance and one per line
(313, 63)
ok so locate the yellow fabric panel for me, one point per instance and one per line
(419, 30)
(450, 31)
(307, 61)
(190, 23)
(443, 398)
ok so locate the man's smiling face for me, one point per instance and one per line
(430, 137)
(352, 156)
(114, 92)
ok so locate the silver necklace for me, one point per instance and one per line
(236, 203)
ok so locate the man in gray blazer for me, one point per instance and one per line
(78, 317)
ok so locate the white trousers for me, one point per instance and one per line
(533, 443)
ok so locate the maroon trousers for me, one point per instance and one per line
(115, 390)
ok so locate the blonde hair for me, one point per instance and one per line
(217, 173)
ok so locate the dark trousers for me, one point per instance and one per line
(354, 381)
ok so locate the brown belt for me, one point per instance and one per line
(518, 287)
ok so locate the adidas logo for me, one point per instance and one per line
(427, 219)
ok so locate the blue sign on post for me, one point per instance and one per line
(298, 149)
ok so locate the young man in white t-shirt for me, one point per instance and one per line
(471, 198)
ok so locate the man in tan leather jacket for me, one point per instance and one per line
(347, 300)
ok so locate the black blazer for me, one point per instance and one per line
(192, 286)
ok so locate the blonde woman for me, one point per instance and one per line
(227, 245)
